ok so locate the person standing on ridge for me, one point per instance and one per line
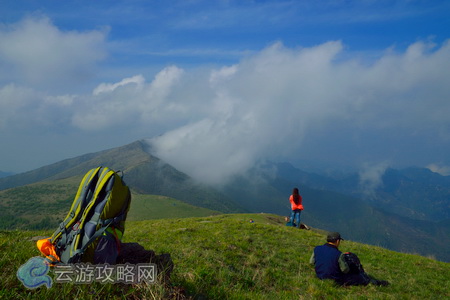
(296, 206)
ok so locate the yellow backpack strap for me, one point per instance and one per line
(82, 198)
(104, 183)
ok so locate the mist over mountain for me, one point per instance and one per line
(143, 172)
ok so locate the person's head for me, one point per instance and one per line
(296, 195)
(334, 238)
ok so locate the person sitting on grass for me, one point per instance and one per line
(344, 268)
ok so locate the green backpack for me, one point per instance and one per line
(93, 228)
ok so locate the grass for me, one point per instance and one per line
(148, 207)
(38, 206)
(227, 257)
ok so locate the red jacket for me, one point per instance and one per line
(296, 206)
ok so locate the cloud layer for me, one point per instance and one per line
(273, 104)
(281, 103)
(36, 53)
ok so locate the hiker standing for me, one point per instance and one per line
(296, 206)
(344, 268)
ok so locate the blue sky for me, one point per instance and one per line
(190, 32)
(222, 84)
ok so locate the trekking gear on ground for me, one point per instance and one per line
(353, 263)
(93, 228)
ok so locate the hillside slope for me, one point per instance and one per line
(354, 218)
(227, 257)
(144, 173)
(44, 205)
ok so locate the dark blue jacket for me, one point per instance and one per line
(327, 262)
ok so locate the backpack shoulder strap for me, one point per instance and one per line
(82, 198)
(91, 226)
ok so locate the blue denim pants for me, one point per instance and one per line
(295, 215)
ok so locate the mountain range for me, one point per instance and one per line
(331, 205)
(5, 174)
(146, 174)
(407, 212)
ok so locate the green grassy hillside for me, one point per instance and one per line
(37, 206)
(44, 205)
(149, 207)
(227, 257)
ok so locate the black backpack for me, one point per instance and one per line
(354, 263)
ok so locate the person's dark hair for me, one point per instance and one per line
(296, 195)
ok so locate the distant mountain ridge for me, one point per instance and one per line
(269, 186)
(416, 193)
(5, 174)
(142, 172)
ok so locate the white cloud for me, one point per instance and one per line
(128, 101)
(281, 102)
(218, 76)
(439, 168)
(371, 177)
(266, 105)
(108, 87)
(35, 52)
(28, 110)
(13, 102)
(209, 150)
